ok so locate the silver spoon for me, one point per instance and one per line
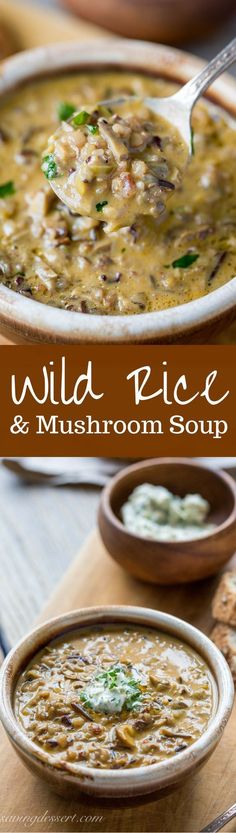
(177, 109)
(220, 821)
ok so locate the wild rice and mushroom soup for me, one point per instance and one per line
(110, 160)
(114, 698)
(75, 262)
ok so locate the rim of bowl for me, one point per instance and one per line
(106, 497)
(139, 56)
(154, 773)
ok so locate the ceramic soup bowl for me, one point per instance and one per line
(23, 319)
(158, 777)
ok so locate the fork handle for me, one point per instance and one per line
(221, 820)
(194, 88)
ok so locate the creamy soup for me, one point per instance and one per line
(71, 261)
(119, 161)
(115, 697)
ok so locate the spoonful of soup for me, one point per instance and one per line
(125, 157)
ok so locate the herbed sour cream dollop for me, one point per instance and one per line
(111, 691)
(154, 512)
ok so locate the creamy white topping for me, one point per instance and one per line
(154, 512)
(112, 691)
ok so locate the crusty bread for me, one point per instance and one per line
(225, 638)
(224, 601)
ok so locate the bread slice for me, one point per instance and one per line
(225, 638)
(224, 601)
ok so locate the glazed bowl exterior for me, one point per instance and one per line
(170, 562)
(165, 776)
(23, 319)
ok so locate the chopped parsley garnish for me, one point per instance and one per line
(80, 118)
(92, 128)
(192, 141)
(7, 189)
(112, 690)
(65, 110)
(49, 166)
(185, 261)
(101, 205)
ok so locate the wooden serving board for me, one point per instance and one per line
(95, 579)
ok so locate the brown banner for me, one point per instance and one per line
(137, 401)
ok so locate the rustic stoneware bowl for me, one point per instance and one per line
(160, 777)
(171, 562)
(23, 319)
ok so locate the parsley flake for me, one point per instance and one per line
(65, 110)
(92, 128)
(185, 261)
(49, 166)
(7, 189)
(101, 205)
(80, 118)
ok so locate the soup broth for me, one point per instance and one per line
(114, 698)
(70, 261)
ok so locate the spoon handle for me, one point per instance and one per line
(194, 88)
(221, 820)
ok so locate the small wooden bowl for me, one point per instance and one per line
(166, 21)
(171, 562)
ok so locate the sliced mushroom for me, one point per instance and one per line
(45, 273)
(143, 722)
(161, 684)
(39, 204)
(117, 147)
(126, 735)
